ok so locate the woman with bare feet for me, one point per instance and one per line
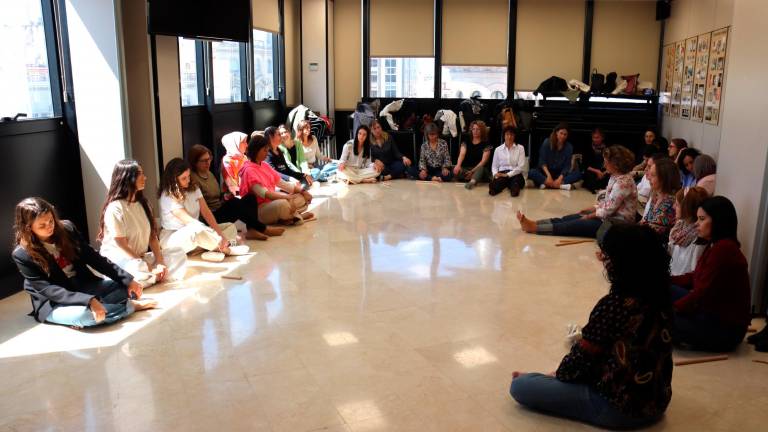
(554, 170)
(618, 375)
(435, 159)
(355, 164)
(287, 205)
(618, 205)
(53, 258)
(386, 155)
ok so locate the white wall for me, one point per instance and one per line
(741, 170)
(313, 50)
(691, 18)
(170, 96)
(97, 79)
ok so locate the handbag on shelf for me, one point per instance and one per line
(597, 81)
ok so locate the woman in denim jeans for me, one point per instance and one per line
(619, 374)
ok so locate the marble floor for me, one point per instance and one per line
(405, 307)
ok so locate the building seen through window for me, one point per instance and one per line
(227, 79)
(402, 77)
(263, 65)
(487, 82)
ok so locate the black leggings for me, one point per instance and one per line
(245, 209)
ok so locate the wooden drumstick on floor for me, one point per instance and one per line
(700, 360)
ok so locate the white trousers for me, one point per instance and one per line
(356, 175)
(196, 235)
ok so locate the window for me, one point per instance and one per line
(483, 81)
(263, 65)
(227, 79)
(402, 77)
(25, 82)
(188, 71)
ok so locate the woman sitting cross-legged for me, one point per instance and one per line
(127, 229)
(385, 154)
(181, 205)
(660, 210)
(555, 162)
(472, 165)
(618, 205)
(260, 181)
(53, 259)
(712, 304)
(320, 166)
(234, 144)
(619, 374)
(507, 166)
(226, 207)
(435, 158)
(277, 155)
(595, 176)
(355, 165)
(684, 246)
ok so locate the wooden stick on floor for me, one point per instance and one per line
(701, 360)
(233, 277)
(572, 242)
(760, 361)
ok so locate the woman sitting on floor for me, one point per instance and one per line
(385, 154)
(683, 245)
(705, 171)
(226, 207)
(712, 304)
(660, 209)
(644, 185)
(260, 181)
(676, 146)
(53, 258)
(619, 374)
(507, 166)
(127, 229)
(435, 158)
(277, 156)
(234, 144)
(181, 205)
(555, 162)
(355, 165)
(321, 167)
(618, 205)
(472, 165)
(685, 163)
(595, 175)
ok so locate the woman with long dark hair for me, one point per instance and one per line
(355, 164)
(53, 259)
(181, 205)
(660, 210)
(712, 304)
(685, 160)
(555, 162)
(385, 154)
(127, 229)
(619, 374)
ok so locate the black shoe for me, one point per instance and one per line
(514, 190)
(762, 346)
(762, 335)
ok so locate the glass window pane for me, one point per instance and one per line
(487, 82)
(227, 84)
(263, 66)
(190, 90)
(402, 77)
(25, 84)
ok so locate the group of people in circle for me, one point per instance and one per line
(668, 246)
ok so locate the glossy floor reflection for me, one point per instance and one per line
(405, 307)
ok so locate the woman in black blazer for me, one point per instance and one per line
(52, 257)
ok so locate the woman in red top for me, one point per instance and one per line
(712, 304)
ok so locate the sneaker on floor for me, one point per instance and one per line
(565, 187)
(514, 190)
(542, 187)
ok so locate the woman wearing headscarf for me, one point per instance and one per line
(235, 144)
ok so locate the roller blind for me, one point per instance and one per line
(292, 53)
(402, 28)
(475, 32)
(550, 41)
(626, 46)
(347, 53)
(265, 15)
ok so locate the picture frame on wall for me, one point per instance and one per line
(677, 80)
(715, 76)
(700, 76)
(669, 70)
(689, 67)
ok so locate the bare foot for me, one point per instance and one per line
(437, 179)
(368, 180)
(274, 231)
(286, 222)
(307, 216)
(144, 304)
(252, 234)
(526, 224)
(387, 177)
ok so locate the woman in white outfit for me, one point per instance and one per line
(181, 204)
(355, 164)
(127, 229)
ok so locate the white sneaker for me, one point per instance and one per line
(565, 187)
(239, 250)
(542, 187)
(212, 256)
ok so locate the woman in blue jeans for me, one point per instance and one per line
(619, 374)
(618, 205)
(53, 259)
(554, 169)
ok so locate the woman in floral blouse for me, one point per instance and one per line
(619, 374)
(435, 159)
(660, 210)
(619, 203)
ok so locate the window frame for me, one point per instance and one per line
(243, 53)
(200, 70)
